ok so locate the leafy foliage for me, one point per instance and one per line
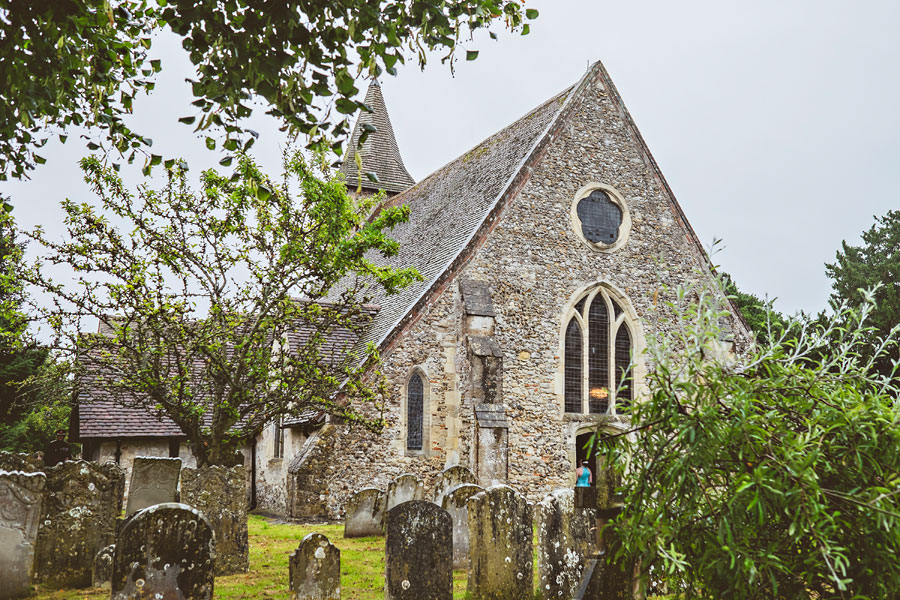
(81, 62)
(765, 322)
(874, 265)
(774, 477)
(199, 296)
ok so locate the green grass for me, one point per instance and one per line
(362, 566)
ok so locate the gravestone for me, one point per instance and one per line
(314, 569)
(404, 488)
(20, 509)
(448, 479)
(165, 551)
(456, 504)
(566, 539)
(220, 494)
(19, 461)
(418, 552)
(364, 513)
(153, 481)
(500, 553)
(78, 517)
(103, 562)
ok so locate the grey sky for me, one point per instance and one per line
(775, 122)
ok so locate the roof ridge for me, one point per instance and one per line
(538, 140)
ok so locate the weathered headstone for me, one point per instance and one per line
(314, 569)
(20, 509)
(456, 504)
(364, 513)
(153, 481)
(103, 562)
(418, 552)
(500, 553)
(566, 537)
(78, 517)
(165, 551)
(404, 488)
(219, 493)
(19, 461)
(448, 479)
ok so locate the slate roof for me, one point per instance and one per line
(448, 206)
(100, 415)
(379, 153)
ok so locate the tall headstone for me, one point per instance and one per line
(364, 514)
(220, 494)
(566, 539)
(448, 479)
(153, 481)
(500, 552)
(78, 517)
(165, 551)
(103, 563)
(455, 502)
(418, 552)
(20, 509)
(404, 488)
(314, 569)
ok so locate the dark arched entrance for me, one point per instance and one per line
(586, 450)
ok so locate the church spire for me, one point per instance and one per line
(379, 153)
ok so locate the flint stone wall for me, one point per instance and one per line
(218, 492)
(165, 551)
(566, 539)
(20, 508)
(154, 480)
(418, 552)
(448, 479)
(500, 553)
(314, 569)
(308, 494)
(78, 517)
(364, 514)
(405, 488)
(456, 503)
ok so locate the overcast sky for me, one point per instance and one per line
(775, 122)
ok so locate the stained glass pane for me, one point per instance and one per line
(600, 217)
(598, 356)
(623, 369)
(414, 398)
(573, 368)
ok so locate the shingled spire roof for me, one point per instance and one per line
(379, 153)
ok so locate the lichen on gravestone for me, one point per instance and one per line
(314, 569)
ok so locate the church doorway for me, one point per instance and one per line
(586, 450)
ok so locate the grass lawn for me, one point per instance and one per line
(362, 566)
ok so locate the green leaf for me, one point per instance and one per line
(210, 143)
(226, 162)
(471, 54)
(344, 106)
(531, 13)
(187, 120)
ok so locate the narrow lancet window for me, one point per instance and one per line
(598, 356)
(573, 378)
(623, 368)
(415, 395)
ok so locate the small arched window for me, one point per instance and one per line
(415, 397)
(598, 355)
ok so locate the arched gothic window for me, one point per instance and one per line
(415, 397)
(597, 354)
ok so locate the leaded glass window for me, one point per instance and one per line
(600, 217)
(597, 357)
(574, 384)
(415, 396)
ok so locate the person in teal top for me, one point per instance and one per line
(585, 478)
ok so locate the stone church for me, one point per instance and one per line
(542, 251)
